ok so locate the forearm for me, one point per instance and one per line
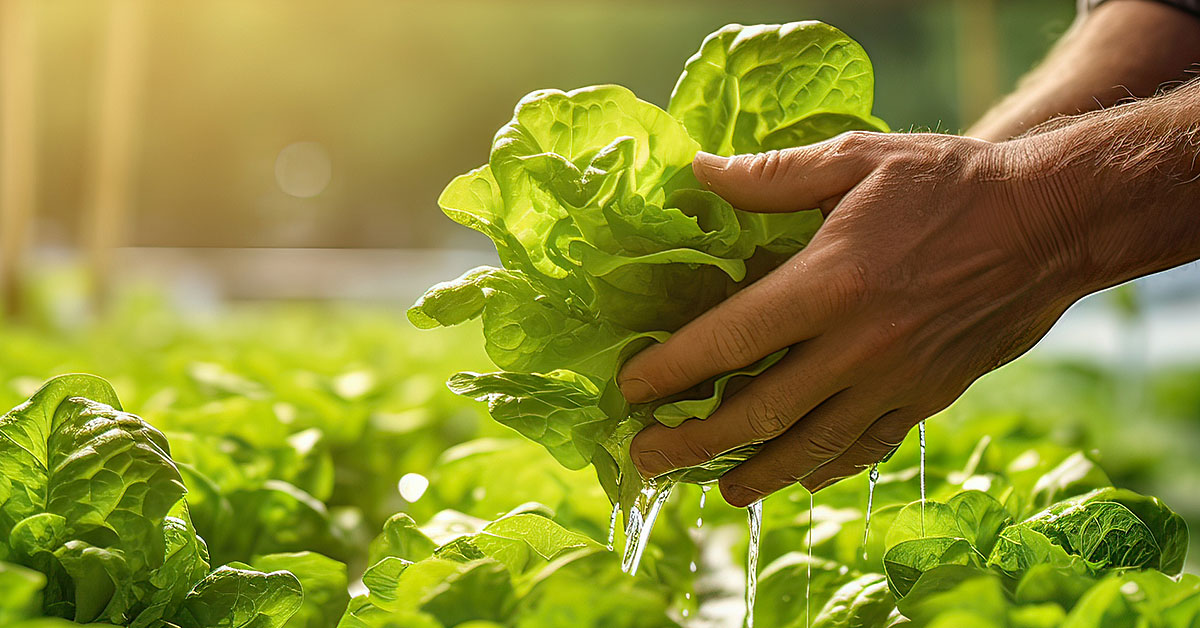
(1124, 48)
(1122, 189)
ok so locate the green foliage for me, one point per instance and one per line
(609, 243)
(521, 569)
(290, 426)
(94, 523)
(767, 87)
(221, 443)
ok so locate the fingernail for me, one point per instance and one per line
(637, 390)
(739, 495)
(652, 462)
(705, 163)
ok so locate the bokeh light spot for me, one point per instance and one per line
(303, 169)
(412, 486)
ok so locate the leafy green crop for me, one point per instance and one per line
(281, 443)
(608, 242)
(1106, 557)
(522, 569)
(94, 523)
(1101, 530)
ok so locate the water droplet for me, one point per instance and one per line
(692, 566)
(754, 519)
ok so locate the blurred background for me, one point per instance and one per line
(270, 149)
(290, 154)
(296, 149)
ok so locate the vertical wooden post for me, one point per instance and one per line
(18, 146)
(978, 57)
(110, 173)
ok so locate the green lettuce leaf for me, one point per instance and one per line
(521, 569)
(609, 243)
(91, 499)
(323, 581)
(235, 596)
(85, 490)
(1106, 528)
(769, 86)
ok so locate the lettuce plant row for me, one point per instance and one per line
(260, 488)
(97, 530)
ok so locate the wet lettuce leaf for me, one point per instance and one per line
(608, 243)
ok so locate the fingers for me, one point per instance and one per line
(824, 435)
(764, 409)
(875, 444)
(793, 179)
(770, 314)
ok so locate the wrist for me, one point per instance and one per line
(1043, 204)
(1127, 176)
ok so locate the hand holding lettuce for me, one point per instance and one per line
(608, 243)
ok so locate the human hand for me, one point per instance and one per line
(941, 259)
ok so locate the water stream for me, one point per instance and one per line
(808, 566)
(612, 525)
(637, 531)
(754, 517)
(921, 437)
(872, 479)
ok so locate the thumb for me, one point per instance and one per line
(792, 179)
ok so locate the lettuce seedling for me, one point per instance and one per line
(608, 243)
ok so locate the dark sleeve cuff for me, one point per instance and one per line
(1191, 7)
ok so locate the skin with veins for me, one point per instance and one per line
(941, 259)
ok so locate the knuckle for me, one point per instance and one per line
(883, 341)
(823, 442)
(696, 450)
(765, 416)
(887, 434)
(903, 165)
(794, 474)
(672, 370)
(851, 285)
(879, 444)
(734, 343)
(770, 166)
(853, 141)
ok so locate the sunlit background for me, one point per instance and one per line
(259, 150)
(214, 139)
